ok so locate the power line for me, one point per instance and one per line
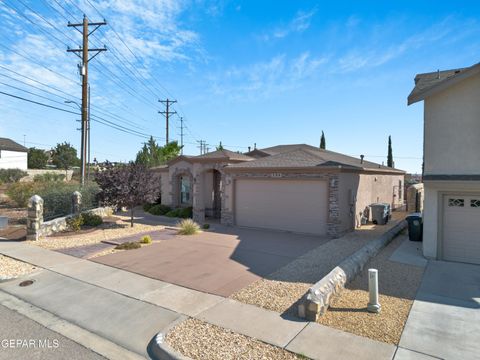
(38, 103)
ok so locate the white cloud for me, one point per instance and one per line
(298, 24)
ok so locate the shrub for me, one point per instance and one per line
(49, 177)
(183, 213)
(20, 192)
(91, 219)
(74, 223)
(206, 226)
(147, 207)
(128, 246)
(11, 175)
(188, 227)
(146, 239)
(159, 209)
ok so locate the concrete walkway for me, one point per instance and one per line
(445, 318)
(128, 309)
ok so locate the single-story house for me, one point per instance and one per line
(451, 229)
(297, 188)
(12, 155)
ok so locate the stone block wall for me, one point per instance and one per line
(415, 196)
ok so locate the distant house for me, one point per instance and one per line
(12, 155)
(451, 162)
(297, 188)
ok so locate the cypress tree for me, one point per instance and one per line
(390, 155)
(322, 141)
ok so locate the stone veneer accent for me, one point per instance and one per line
(317, 300)
(333, 221)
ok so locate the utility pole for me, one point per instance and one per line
(181, 134)
(167, 114)
(202, 146)
(88, 132)
(84, 51)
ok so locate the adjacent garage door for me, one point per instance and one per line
(291, 205)
(461, 228)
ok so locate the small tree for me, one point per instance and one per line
(127, 185)
(37, 158)
(220, 146)
(322, 141)
(390, 154)
(65, 156)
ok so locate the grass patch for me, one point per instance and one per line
(188, 227)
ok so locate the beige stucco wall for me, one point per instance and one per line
(348, 188)
(13, 160)
(377, 188)
(432, 212)
(452, 129)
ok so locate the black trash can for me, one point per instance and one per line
(379, 213)
(415, 226)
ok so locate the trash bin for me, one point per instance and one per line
(379, 213)
(415, 226)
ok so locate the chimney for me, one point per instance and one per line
(361, 158)
(249, 149)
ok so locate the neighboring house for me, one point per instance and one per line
(296, 188)
(451, 163)
(12, 155)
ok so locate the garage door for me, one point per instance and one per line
(461, 228)
(291, 205)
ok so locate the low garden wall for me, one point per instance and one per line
(32, 172)
(317, 300)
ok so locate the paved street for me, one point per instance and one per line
(22, 328)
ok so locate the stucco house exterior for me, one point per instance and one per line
(297, 188)
(12, 155)
(451, 162)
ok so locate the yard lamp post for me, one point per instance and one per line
(373, 304)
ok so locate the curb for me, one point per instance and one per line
(158, 349)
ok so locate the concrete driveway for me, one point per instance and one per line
(220, 262)
(445, 318)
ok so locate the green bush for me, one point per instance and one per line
(188, 227)
(91, 219)
(49, 177)
(74, 223)
(11, 175)
(206, 226)
(147, 207)
(146, 239)
(159, 209)
(128, 246)
(183, 213)
(20, 192)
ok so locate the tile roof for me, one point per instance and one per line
(10, 145)
(304, 156)
(224, 154)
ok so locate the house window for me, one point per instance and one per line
(475, 203)
(456, 202)
(185, 190)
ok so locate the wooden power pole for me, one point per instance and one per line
(167, 114)
(84, 57)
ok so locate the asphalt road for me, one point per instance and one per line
(23, 338)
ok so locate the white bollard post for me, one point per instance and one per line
(373, 304)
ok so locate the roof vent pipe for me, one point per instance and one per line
(249, 149)
(361, 158)
(438, 73)
(254, 146)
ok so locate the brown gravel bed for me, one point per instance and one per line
(398, 284)
(280, 290)
(106, 231)
(199, 340)
(11, 268)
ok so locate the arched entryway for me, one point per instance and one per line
(183, 190)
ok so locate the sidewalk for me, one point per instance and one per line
(129, 309)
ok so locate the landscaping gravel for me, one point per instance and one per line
(281, 290)
(106, 231)
(199, 340)
(398, 284)
(11, 268)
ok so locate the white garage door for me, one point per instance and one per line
(291, 205)
(461, 228)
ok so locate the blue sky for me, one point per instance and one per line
(243, 72)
